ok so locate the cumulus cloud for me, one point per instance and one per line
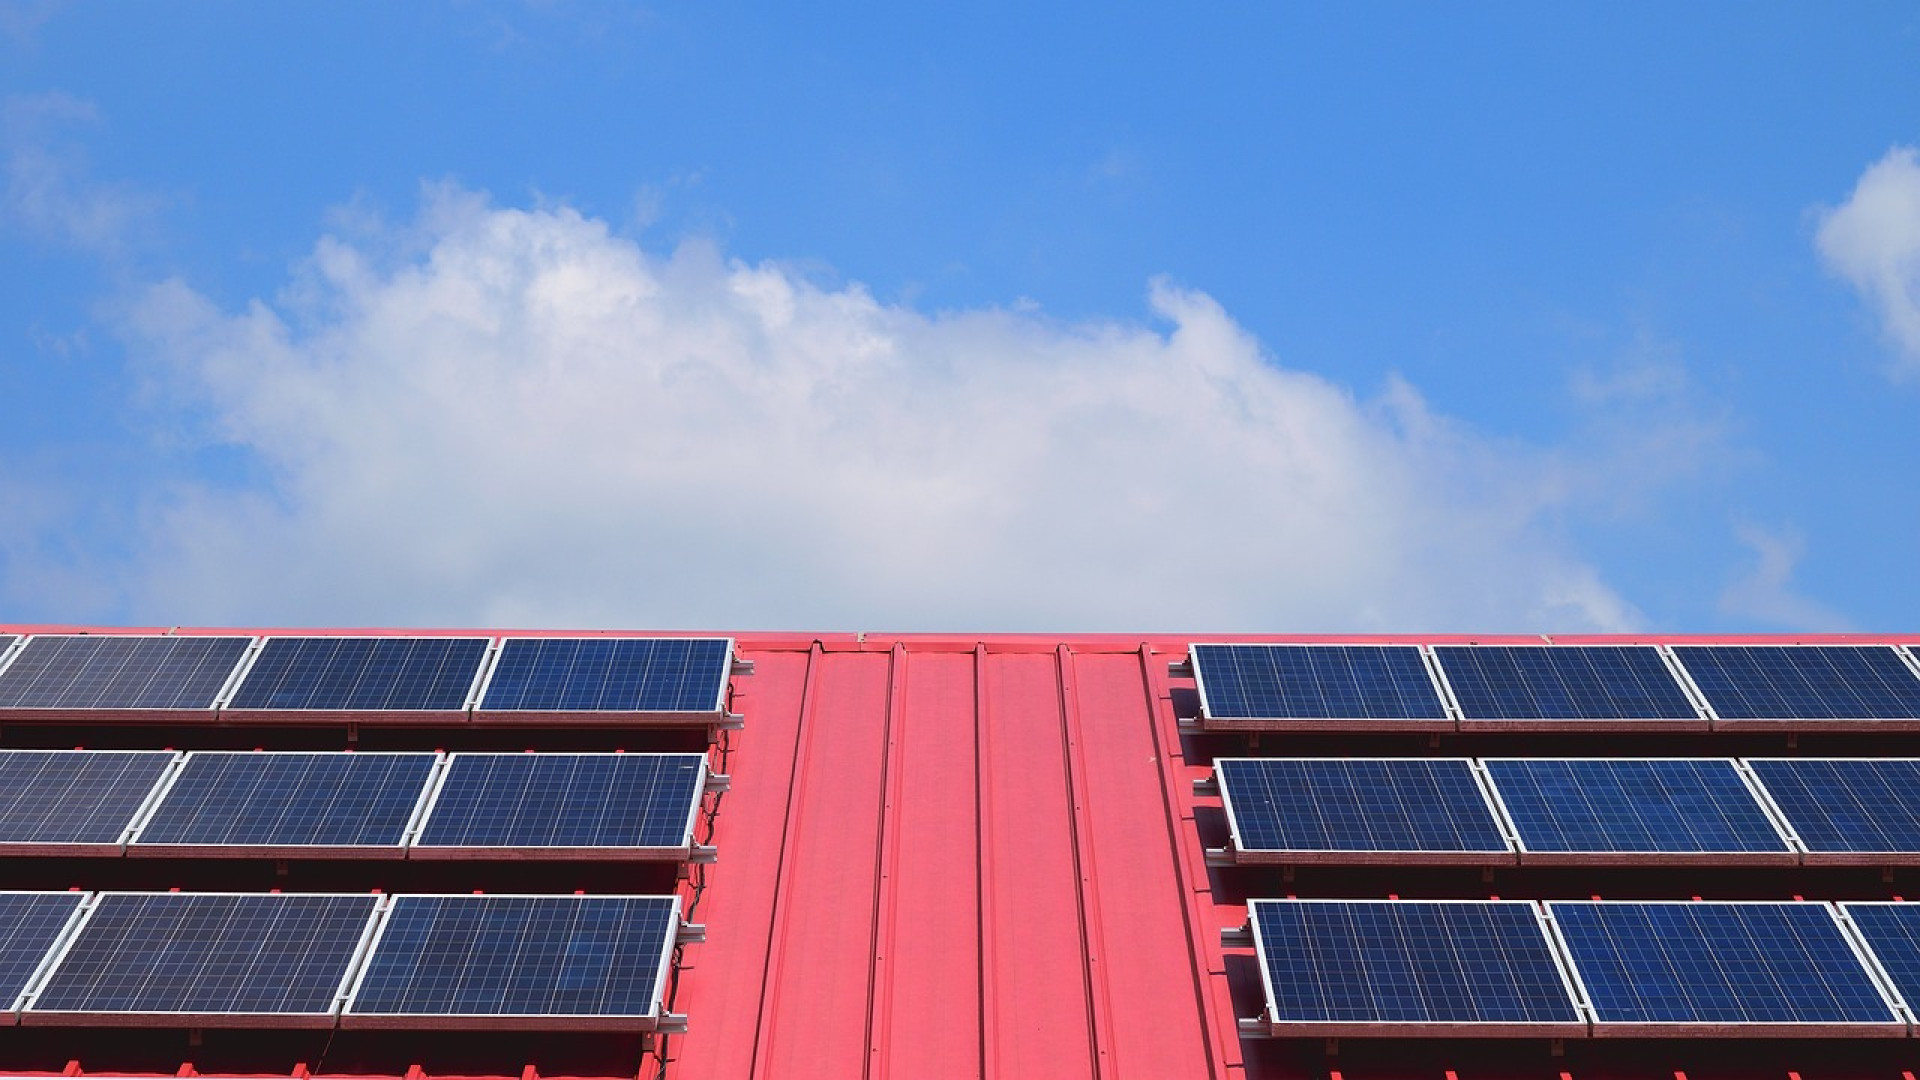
(505, 416)
(1765, 591)
(1873, 241)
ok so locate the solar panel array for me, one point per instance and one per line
(1672, 805)
(609, 675)
(1891, 933)
(75, 797)
(1563, 682)
(532, 801)
(106, 671)
(1803, 682)
(1409, 964)
(1316, 682)
(290, 800)
(30, 927)
(1380, 806)
(371, 674)
(1687, 963)
(518, 956)
(1839, 806)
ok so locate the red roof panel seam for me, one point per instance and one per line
(1092, 937)
(782, 908)
(985, 925)
(886, 867)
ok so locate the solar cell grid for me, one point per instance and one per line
(1803, 682)
(348, 674)
(30, 926)
(107, 671)
(1563, 682)
(1892, 933)
(325, 800)
(1413, 965)
(1305, 805)
(673, 675)
(555, 801)
(1839, 806)
(1709, 965)
(550, 959)
(222, 957)
(75, 797)
(1316, 682)
(1672, 806)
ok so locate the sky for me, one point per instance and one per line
(1217, 317)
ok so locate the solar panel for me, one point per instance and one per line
(73, 672)
(1659, 810)
(1564, 685)
(300, 804)
(74, 801)
(7, 642)
(1803, 682)
(1892, 933)
(212, 959)
(1410, 968)
(659, 675)
(1306, 809)
(31, 924)
(554, 804)
(1317, 685)
(1839, 807)
(554, 962)
(347, 674)
(1700, 967)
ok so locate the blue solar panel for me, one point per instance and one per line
(1316, 804)
(565, 800)
(223, 799)
(525, 956)
(1563, 682)
(1625, 805)
(30, 925)
(362, 674)
(106, 671)
(75, 796)
(6, 642)
(609, 675)
(1409, 962)
(211, 954)
(1717, 963)
(1803, 682)
(1892, 934)
(1846, 804)
(1279, 682)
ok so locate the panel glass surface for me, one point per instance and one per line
(1412, 804)
(564, 800)
(30, 925)
(1622, 805)
(517, 956)
(6, 642)
(1803, 682)
(362, 674)
(609, 675)
(74, 796)
(1391, 961)
(1563, 682)
(106, 671)
(1281, 682)
(209, 953)
(290, 799)
(1707, 963)
(1846, 804)
(1892, 934)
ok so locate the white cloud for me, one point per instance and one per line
(1873, 241)
(516, 417)
(1765, 592)
(47, 187)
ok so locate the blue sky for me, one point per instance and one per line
(1230, 316)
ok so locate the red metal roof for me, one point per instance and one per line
(956, 855)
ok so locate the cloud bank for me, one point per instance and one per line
(1873, 241)
(516, 417)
